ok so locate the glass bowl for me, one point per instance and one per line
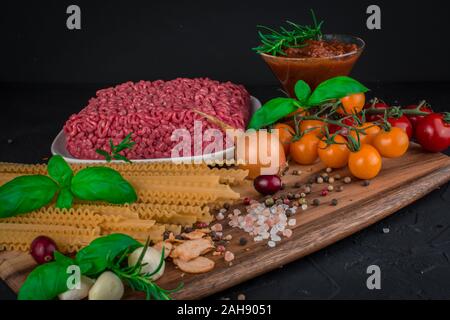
(314, 70)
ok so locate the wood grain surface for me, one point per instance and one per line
(401, 182)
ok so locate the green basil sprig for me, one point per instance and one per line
(278, 108)
(27, 193)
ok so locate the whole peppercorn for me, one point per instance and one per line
(307, 190)
(242, 241)
(297, 196)
(226, 205)
(330, 180)
(166, 235)
(298, 185)
(311, 180)
(286, 201)
(269, 202)
(279, 201)
(337, 176)
(326, 179)
(340, 188)
(330, 188)
(324, 193)
(295, 203)
(347, 180)
(316, 202)
(334, 202)
(188, 229)
(324, 175)
(319, 180)
(246, 201)
(290, 196)
(366, 183)
(295, 172)
(303, 201)
(328, 170)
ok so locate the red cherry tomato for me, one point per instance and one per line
(378, 105)
(402, 123)
(433, 133)
(415, 119)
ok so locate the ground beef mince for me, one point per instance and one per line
(321, 49)
(152, 111)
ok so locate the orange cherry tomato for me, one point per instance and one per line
(370, 131)
(285, 134)
(334, 155)
(365, 163)
(391, 144)
(309, 124)
(304, 150)
(352, 103)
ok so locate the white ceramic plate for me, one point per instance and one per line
(59, 148)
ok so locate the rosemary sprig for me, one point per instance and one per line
(274, 42)
(142, 282)
(126, 143)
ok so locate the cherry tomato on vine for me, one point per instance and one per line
(414, 119)
(378, 105)
(391, 144)
(352, 104)
(285, 134)
(370, 131)
(433, 132)
(334, 155)
(402, 123)
(309, 124)
(304, 150)
(365, 163)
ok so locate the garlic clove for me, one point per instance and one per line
(152, 258)
(107, 287)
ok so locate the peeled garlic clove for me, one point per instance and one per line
(152, 258)
(78, 294)
(107, 287)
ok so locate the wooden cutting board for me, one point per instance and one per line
(401, 182)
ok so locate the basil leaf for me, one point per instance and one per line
(25, 194)
(65, 199)
(335, 88)
(302, 91)
(100, 253)
(272, 111)
(59, 257)
(46, 281)
(59, 170)
(102, 184)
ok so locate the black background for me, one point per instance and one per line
(48, 72)
(133, 40)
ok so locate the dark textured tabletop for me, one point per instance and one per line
(411, 247)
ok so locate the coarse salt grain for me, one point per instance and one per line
(287, 233)
(271, 244)
(229, 256)
(292, 222)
